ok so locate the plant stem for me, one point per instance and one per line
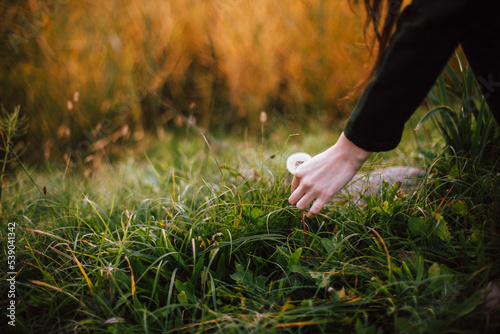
(303, 215)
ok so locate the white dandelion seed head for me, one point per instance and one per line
(295, 160)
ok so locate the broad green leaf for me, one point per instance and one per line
(420, 269)
(295, 258)
(455, 172)
(246, 278)
(186, 289)
(441, 228)
(182, 298)
(434, 270)
(459, 207)
(418, 226)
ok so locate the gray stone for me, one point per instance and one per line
(365, 184)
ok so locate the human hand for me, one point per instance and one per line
(324, 175)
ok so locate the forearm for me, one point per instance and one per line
(427, 34)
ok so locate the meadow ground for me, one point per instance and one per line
(194, 234)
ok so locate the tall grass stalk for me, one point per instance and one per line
(12, 126)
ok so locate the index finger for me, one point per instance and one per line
(295, 183)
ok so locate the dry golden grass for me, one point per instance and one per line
(250, 54)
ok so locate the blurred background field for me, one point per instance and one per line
(95, 77)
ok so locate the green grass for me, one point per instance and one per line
(199, 237)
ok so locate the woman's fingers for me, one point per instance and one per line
(296, 196)
(297, 190)
(316, 208)
(305, 200)
(304, 203)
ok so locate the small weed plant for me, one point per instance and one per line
(462, 115)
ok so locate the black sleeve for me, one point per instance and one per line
(427, 33)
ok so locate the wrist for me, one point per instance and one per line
(351, 151)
